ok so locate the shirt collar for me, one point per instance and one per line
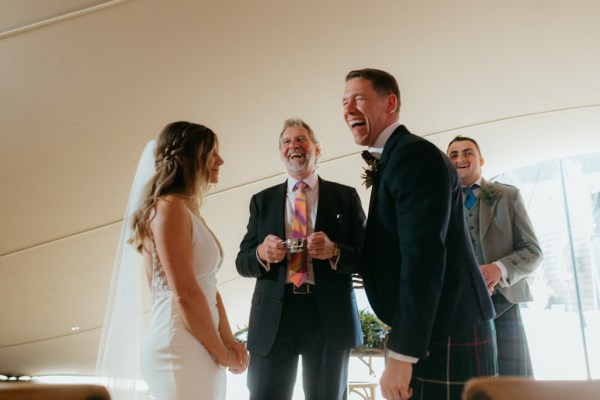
(382, 139)
(311, 181)
(477, 182)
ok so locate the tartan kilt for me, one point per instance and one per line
(464, 355)
(513, 351)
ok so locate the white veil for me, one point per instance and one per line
(123, 330)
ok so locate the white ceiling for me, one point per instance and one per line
(80, 97)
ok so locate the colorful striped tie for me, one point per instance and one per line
(298, 269)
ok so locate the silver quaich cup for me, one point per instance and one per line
(295, 245)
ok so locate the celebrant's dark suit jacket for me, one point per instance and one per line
(420, 272)
(341, 217)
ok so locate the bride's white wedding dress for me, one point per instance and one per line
(175, 365)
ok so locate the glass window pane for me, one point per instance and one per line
(563, 203)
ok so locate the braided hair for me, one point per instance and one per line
(181, 154)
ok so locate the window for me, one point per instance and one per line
(563, 322)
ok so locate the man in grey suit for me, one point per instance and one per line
(506, 248)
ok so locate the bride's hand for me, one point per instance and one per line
(235, 366)
(239, 363)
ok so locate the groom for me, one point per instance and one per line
(420, 273)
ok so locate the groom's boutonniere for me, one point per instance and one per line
(370, 173)
(489, 193)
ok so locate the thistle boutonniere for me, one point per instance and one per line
(490, 193)
(370, 173)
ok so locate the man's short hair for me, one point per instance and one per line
(383, 82)
(460, 138)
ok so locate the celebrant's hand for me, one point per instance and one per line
(319, 246)
(272, 249)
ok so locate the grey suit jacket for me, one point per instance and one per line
(507, 235)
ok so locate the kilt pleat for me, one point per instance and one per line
(514, 358)
(452, 362)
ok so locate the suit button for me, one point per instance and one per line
(280, 299)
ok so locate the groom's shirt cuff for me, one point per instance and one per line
(402, 357)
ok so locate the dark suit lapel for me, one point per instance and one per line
(278, 220)
(388, 149)
(372, 200)
(323, 205)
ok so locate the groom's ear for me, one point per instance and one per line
(392, 103)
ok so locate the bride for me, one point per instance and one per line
(189, 343)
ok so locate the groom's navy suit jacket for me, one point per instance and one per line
(420, 272)
(341, 217)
